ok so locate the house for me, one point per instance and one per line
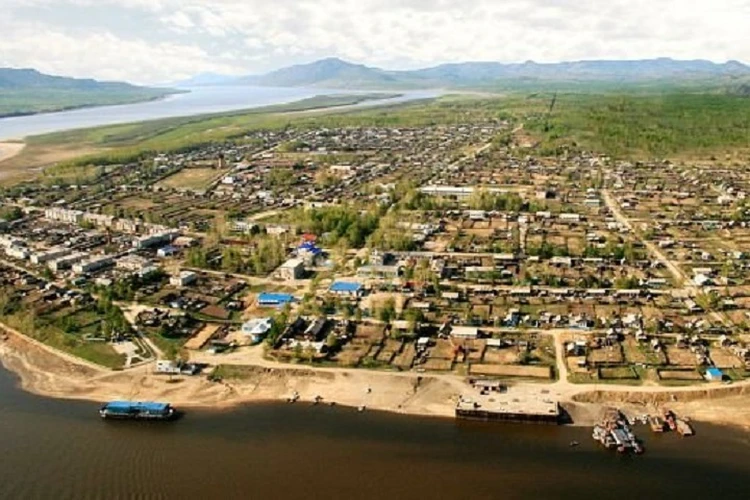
(291, 270)
(274, 299)
(167, 251)
(702, 280)
(309, 253)
(379, 271)
(713, 374)
(465, 332)
(345, 288)
(167, 367)
(257, 329)
(185, 278)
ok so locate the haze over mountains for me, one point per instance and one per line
(336, 73)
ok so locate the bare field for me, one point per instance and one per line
(191, 178)
(679, 375)
(511, 371)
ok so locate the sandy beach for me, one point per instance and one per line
(10, 149)
(46, 372)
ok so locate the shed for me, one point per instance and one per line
(714, 374)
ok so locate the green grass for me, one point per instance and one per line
(14, 102)
(234, 372)
(100, 353)
(166, 344)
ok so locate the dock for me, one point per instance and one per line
(509, 407)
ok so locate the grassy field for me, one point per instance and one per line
(100, 353)
(16, 102)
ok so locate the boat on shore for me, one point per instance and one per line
(684, 428)
(670, 418)
(657, 424)
(130, 410)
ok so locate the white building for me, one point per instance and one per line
(293, 269)
(63, 215)
(51, 254)
(185, 278)
(156, 239)
(93, 264)
(257, 328)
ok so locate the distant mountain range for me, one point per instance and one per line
(336, 73)
(27, 91)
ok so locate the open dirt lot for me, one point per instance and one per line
(191, 178)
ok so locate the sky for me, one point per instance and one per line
(153, 41)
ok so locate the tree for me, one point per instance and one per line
(387, 312)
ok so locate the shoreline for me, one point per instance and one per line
(9, 149)
(47, 373)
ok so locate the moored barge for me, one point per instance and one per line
(129, 410)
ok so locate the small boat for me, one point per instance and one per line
(129, 410)
(657, 424)
(573, 444)
(361, 408)
(684, 428)
(669, 416)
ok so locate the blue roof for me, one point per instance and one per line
(275, 298)
(130, 405)
(345, 286)
(310, 247)
(714, 372)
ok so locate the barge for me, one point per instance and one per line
(505, 408)
(614, 433)
(129, 410)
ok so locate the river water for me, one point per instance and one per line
(199, 100)
(62, 450)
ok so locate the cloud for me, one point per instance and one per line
(162, 40)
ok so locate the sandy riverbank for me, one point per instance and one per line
(47, 373)
(44, 373)
(10, 149)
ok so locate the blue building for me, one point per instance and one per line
(714, 374)
(309, 253)
(346, 288)
(274, 299)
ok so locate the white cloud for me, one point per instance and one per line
(244, 36)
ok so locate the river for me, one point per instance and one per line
(199, 100)
(62, 450)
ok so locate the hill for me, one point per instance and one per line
(27, 91)
(336, 73)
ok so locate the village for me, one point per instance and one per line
(434, 251)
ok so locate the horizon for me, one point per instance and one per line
(156, 41)
(355, 63)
